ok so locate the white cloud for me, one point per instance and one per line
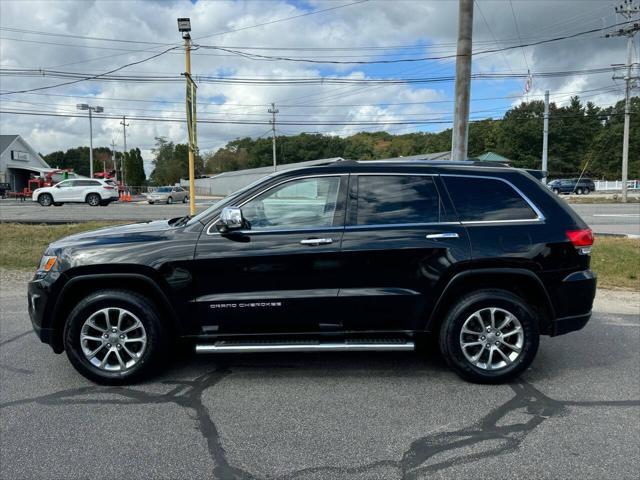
(376, 23)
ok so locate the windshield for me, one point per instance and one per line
(229, 199)
(163, 189)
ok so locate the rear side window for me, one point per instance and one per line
(86, 183)
(486, 199)
(391, 199)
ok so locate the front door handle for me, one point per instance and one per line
(316, 241)
(435, 236)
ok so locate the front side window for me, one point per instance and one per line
(303, 203)
(391, 199)
(487, 199)
(66, 184)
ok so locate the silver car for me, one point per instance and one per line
(168, 195)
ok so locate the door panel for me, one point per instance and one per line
(401, 245)
(280, 274)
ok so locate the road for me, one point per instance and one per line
(574, 414)
(603, 218)
(611, 218)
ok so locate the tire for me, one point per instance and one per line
(46, 200)
(93, 199)
(451, 337)
(169, 200)
(579, 191)
(139, 309)
(556, 191)
(185, 199)
(150, 203)
(586, 191)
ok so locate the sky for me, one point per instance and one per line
(90, 37)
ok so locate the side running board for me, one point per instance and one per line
(306, 346)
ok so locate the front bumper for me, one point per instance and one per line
(40, 293)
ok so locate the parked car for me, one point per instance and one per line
(347, 256)
(83, 190)
(572, 185)
(168, 195)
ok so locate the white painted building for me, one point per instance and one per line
(18, 161)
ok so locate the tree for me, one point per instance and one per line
(171, 162)
(134, 168)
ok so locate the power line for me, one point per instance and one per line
(93, 77)
(255, 56)
(515, 21)
(315, 12)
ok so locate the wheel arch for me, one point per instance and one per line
(522, 282)
(79, 286)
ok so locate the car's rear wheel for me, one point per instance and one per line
(586, 191)
(579, 191)
(169, 200)
(93, 199)
(114, 337)
(556, 191)
(489, 336)
(46, 200)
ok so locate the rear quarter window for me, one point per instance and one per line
(487, 199)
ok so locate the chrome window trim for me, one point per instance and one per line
(536, 210)
(398, 225)
(285, 230)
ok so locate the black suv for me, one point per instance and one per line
(348, 256)
(579, 186)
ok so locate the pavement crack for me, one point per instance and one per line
(490, 436)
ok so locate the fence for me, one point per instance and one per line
(616, 185)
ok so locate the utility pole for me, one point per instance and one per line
(627, 10)
(459, 142)
(184, 26)
(273, 110)
(545, 138)
(113, 157)
(124, 151)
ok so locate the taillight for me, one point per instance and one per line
(109, 188)
(582, 239)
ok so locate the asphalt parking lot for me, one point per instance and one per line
(603, 218)
(574, 414)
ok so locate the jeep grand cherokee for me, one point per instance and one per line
(348, 256)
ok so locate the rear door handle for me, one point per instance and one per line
(316, 241)
(435, 236)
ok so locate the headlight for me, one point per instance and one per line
(47, 263)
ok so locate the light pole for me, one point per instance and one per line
(84, 106)
(184, 27)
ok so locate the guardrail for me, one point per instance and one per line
(616, 185)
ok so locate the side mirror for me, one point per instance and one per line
(230, 219)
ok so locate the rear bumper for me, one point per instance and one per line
(573, 300)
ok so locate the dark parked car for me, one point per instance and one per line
(348, 256)
(572, 185)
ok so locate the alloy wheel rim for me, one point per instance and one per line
(93, 200)
(113, 339)
(492, 338)
(46, 200)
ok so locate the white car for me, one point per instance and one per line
(83, 190)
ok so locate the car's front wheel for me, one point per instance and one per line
(114, 337)
(556, 191)
(579, 191)
(93, 199)
(46, 200)
(489, 336)
(185, 199)
(169, 201)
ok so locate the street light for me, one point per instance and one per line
(97, 109)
